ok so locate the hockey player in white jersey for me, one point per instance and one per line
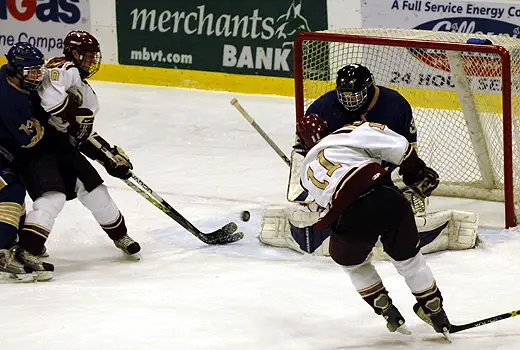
(343, 172)
(61, 172)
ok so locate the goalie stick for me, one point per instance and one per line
(262, 133)
(295, 193)
(224, 235)
(463, 327)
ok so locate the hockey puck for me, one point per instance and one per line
(245, 215)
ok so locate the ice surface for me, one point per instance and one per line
(198, 152)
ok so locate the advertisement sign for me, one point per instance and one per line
(247, 37)
(473, 17)
(43, 23)
(443, 15)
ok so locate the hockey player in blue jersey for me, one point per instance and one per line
(358, 98)
(20, 134)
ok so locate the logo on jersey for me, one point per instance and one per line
(65, 11)
(473, 62)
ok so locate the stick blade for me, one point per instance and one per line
(225, 235)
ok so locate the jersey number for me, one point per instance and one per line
(327, 164)
(28, 127)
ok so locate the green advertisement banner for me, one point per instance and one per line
(243, 37)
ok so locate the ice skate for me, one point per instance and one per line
(128, 246)
(43, 271)
(438, 319)
(44, 253)
(394, 320)
(12, 268)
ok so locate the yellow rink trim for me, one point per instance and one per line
(427, 98)
(255, 84)
(250, 84)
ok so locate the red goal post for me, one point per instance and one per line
(464, 99)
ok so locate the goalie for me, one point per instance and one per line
(358, 98)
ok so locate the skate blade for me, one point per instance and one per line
(447, 335)
(131, 257)
(403, 330)
(18, 278)
(42, 276)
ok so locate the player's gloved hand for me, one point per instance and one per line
(300, 148)
(119, 166)
(422, 183)
(81, 128)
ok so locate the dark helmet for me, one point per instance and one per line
(311, 129)
(355, 87)
(88, 56)
(25, 62)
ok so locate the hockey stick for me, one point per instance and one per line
(297, 195)
(262, 133)
(463, 327)
(224, 235)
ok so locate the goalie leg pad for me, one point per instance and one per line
(275, 229)
(443, 230)
(448, 229)
(294, 229)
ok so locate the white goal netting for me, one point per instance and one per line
(456, 96)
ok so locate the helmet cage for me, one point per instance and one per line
(88, 62)
(352, 101)
(31, 77)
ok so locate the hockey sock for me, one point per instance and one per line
(115, 229)
(430, 299)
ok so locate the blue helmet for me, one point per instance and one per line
(25, 62)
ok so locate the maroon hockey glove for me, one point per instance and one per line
(423, 183)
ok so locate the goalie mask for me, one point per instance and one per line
(355, 87)
(310, 130)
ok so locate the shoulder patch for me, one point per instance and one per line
(59, 62)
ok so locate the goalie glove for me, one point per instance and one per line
(422, 183)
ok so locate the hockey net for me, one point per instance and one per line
(464, 99)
